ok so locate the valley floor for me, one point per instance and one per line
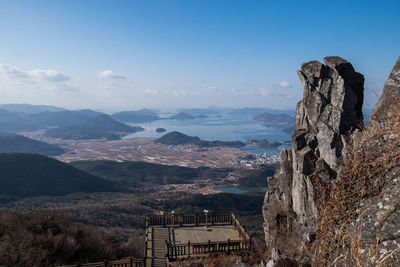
(142, 149)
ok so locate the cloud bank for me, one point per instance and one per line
(48, 75)
(109, 74)
(283, 84)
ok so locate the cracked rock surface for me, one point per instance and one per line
(330, 110)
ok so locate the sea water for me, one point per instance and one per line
(238, 190)
(223, 127)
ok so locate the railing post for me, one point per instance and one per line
(196, 219)
(105, 263)
(131, 262)
(229, 245)
(164, 223)
(212, 218)
(189, 248)
(209, 246)
(167, 246)
(250, 242)
(180, 219)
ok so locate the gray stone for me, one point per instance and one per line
(330, 110)
(383, 110)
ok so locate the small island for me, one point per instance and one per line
(266, 143)
(276, 119)
(177, 138)
(201, 116)
(160, 130)
(182, 116)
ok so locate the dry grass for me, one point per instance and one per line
(212, 261)
(50, 238)
(372, 154)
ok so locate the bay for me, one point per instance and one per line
(224, 127)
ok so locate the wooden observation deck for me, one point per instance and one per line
(174, 237)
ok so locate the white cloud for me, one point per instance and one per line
(48, 75)
(236, 91)
(179, 93)
(283, 84)
(109, 74)
(265, 91)
(150, 91)
(68, 88)
(12, 71)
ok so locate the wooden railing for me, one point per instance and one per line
(175, 251)
(189, 219)
(239, 228)
(122, 263)
(187, 250)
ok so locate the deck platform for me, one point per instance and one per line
(176, 237)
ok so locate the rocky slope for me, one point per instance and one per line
(333, 170)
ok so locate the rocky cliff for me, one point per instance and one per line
(333, 170)
(383, 110)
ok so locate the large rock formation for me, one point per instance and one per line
(375, 164)
(390, 96)
(330, 110)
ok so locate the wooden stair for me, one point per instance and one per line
(156, 253)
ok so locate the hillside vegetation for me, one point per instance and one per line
(23, 175)
(370, 177)
(102, 126)
(139, 174)
(10, 142)
(257, 177)
(39, 239)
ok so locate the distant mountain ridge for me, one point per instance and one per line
(177, 138)
(10, 142)
(142, 115)
(270, 118)
(26, 175)
(101, 126)
(28, 108)
(62, 118)
(258, 111)
(182, 116)
(19, 121)
(11, 121)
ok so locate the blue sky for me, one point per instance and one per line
(112, 55)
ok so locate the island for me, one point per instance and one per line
(142, 115)
(182, 116)
(176, 138)
(266, 143)
(160, 130)
(269, 118)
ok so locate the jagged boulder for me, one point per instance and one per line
(330, 110)
(384, 108)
